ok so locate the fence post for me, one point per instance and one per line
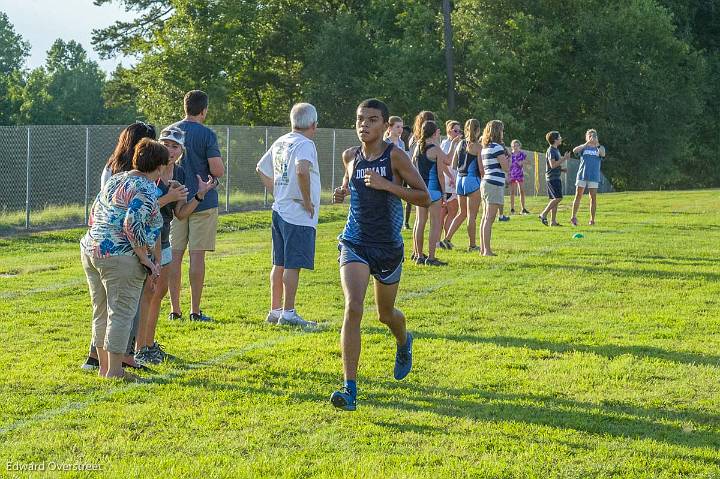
(266, 148)
(227, 170)
(87, 173)
(333, 162)
(27, 183)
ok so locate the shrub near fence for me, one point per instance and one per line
(51, 173)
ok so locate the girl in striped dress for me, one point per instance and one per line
(492, 188)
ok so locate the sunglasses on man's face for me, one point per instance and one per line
(455, 130)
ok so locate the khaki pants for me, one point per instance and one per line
(115, 285)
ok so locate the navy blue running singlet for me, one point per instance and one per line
(375, 216)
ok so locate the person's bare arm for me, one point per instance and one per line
(302, 170)
(266, 180)
(416, 193)
(176, 192)
(217, 168)
(343, 190)
(442, 168)
(455, 157)
(184, 209)
(563, 159)
(504, 162)
(601, 151)
(578, 149)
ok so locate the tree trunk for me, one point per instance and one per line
(449, 57)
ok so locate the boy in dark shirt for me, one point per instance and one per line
(553, 170)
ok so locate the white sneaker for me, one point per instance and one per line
(273, 317)
(296, 320)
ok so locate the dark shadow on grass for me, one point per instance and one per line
(604, 418)
(609, 351)
(696, 262)
(636, 273)
(617, 419)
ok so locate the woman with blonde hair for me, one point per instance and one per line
(465, 160)
(588, 177)
(492, 188)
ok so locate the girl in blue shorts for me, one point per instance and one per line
(468, 183)
(432, 163)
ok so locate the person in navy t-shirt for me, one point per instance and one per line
(200, 161)
(371, 242)
(591, 154)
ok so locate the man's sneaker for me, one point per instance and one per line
(472, 249)
(573, 221)
(512, 211)
(420, 259)
(543, 220)
(174, 316)
(440, 244)
(434, 262)
(296, 320)
(525, 212)
(342, 399)
(158, 352)
(200, 317)
(273, 317)
(413, 257)
(145, 356)
(90, 364)
(504, 218)
(403, 359)
(447, 244)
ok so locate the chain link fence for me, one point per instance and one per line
(51, 174)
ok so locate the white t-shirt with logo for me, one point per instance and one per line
(279, 163)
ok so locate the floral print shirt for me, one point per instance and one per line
(124, 215)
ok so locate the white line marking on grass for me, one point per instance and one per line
(172, 374)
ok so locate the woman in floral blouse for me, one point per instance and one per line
(125, 224)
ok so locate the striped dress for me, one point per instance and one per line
(494, 173)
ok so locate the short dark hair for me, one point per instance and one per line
(376, 104)
(195, 102)
(150, 155)
(552, 137)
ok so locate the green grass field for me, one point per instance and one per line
(593, 357)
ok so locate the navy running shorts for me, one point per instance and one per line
(385, 262)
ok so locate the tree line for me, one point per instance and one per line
(644, 73)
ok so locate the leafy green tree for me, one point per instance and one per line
(67, 90)
(13, 51)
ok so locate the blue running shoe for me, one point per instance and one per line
(403, 359)
(342, 399)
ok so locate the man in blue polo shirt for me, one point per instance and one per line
(201, 161)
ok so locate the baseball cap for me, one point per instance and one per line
(173, 133)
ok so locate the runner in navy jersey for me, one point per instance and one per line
(371, 242)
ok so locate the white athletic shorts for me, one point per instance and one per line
(587, 184)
